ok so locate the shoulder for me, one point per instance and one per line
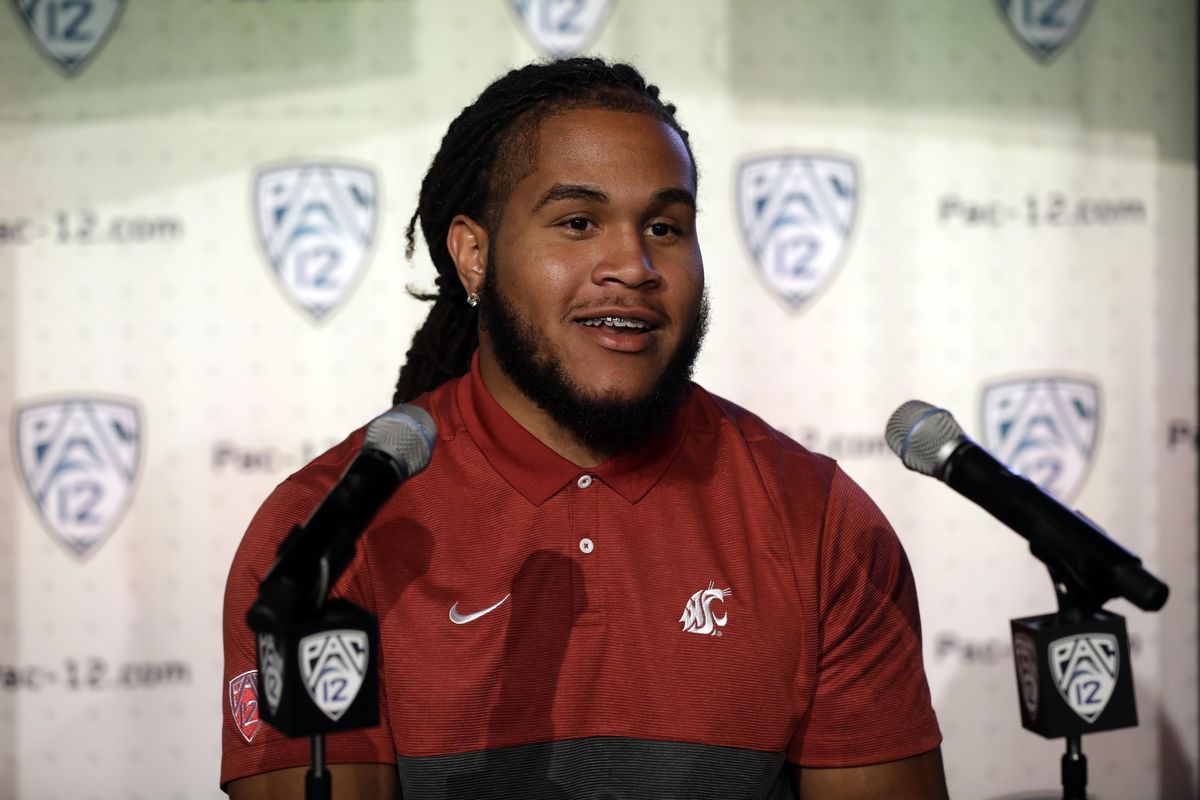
(295, 498)
(442, 404)
(727, 418)
(798, 478)
(726, 425)
(289, 504)
(317, 477)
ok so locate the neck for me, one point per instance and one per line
(533, 418)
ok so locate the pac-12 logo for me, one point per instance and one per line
(797, 212)
(271, 662)
(561, 28)
(79, 458)
(332, 666)
(316, 224)
(243, 704)
(1044, 27)
(1085, 668)
(1025, 654)
(1045, 429)
(70, 32)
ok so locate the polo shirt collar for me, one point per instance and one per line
(537, 472)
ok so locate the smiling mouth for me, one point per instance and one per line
(617, 324)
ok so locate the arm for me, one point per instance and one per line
(871, 705)
(350, 782)
(917, 778)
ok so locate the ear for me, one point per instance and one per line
(467, 242)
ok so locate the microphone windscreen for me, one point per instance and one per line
(406, 434)
(923, 435)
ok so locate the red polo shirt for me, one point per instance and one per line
(679, 620)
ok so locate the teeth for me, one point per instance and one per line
(616, 322)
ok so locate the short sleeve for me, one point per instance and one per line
(871, 703)
(248, 745)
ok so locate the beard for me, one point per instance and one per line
(603, 424)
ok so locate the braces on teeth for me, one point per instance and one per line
(616, 322)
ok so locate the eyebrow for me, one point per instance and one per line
(670, 197)
(570, 191)
(579, 191)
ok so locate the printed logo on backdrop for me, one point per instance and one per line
(1044, 27)
(1025, 654)
(1044, 428)
(70, 32)
(271, 661)
(332, 666)
(316, 224)
(79, 458)
(1085, 669)
(243, 704)
(562, 28)
(797, 213)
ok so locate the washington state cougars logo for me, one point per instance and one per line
(797, 213)
(316, 223)
(70, 32)
(1045, 429)
(561, 28)
(332, 666)
(698, 615)
(1085, 667)
(1044, 27)
(243, 704)
(79, 458)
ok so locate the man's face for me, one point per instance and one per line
(592, 298)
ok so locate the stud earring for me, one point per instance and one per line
(472, 299)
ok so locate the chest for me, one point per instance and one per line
(679, 619)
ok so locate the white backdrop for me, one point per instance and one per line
(975, 194)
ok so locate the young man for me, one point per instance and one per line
(608, 583)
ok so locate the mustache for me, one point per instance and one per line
(618, 302)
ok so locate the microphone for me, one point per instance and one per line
(929, 441)
(398, 445)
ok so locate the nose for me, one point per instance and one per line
(626, 261)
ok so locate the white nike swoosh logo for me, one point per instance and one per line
(463, 619)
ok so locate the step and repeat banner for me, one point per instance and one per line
(987, 205)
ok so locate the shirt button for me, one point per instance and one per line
(584, 481)
(586, 545)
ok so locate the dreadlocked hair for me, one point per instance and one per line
(487, 150)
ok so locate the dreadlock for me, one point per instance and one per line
(487, 150)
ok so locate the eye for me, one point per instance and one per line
(661, 229)
(579, 223)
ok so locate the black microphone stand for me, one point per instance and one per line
(317, 658)
(1074, 674)
(1073, 669)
